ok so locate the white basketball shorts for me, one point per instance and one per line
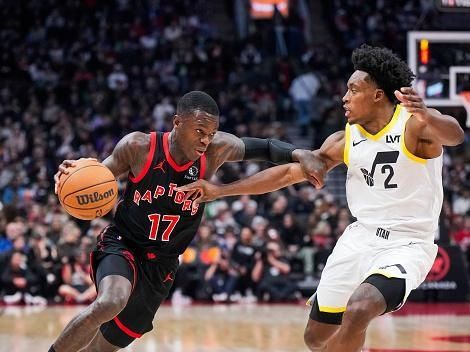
(361, 252)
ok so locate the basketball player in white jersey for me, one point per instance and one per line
(392, 145)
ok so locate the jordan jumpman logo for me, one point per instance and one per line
(168, 277)
(159, 166)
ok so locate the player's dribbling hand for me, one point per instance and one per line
(199, 191)
(413, 103)
(63, 169)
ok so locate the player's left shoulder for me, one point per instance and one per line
(224, 147)
(419, 141)
(415, 128)
(222, 143)
(221, 139)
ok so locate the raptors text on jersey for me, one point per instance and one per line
(152, 213)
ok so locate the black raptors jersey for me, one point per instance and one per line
(152, 213)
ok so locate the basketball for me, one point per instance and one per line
(88, 191)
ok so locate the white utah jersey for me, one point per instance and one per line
(387, 186)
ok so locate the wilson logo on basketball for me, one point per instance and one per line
(94, 197)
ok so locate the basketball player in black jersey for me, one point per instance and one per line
(136, 258)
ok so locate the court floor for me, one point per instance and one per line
(249, 328)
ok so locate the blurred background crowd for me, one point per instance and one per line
(77, 75)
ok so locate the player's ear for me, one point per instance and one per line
(379, 94)
(176, 120)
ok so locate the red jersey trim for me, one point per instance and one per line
(203, 166)
(130, 259)
(173, 164)
(148, 162)
(125, 329)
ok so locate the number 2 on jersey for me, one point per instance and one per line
(155, 220)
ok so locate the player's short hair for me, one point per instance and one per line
(197, 100)
(386, 69)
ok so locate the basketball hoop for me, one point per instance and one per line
(465, 98)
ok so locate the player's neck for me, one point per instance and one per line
(175, 150)
(379, 119)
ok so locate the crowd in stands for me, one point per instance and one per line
(76, 76)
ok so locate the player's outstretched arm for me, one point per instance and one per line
(429, 124)
(262, 182)
(227, 147)
(329, 155)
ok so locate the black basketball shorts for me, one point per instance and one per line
(150, 274)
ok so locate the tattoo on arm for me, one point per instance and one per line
(125, 152)
(227, 147)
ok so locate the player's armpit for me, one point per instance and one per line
(131, 150)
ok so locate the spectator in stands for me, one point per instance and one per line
(77, 285)
(279, 207)
(461, 203)
(294, 237)
(242, 260)
(245, 209)
(13, 231)
(222, 278)
(69, 240)
(45, 257)
(303, 90)
(322, 240)
(291, 233)
(461, 235)
(271, 273)
(20, 282)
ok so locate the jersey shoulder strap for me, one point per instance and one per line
(148, 161)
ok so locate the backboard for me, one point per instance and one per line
(441, 62)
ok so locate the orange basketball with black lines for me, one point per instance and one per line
(88, 191)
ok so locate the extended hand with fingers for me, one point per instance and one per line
(200, 191)
(413, 103)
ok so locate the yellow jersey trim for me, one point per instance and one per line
(384, 130)
(381, 272)
(332, 309)
(409, 154)
(347, 142)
